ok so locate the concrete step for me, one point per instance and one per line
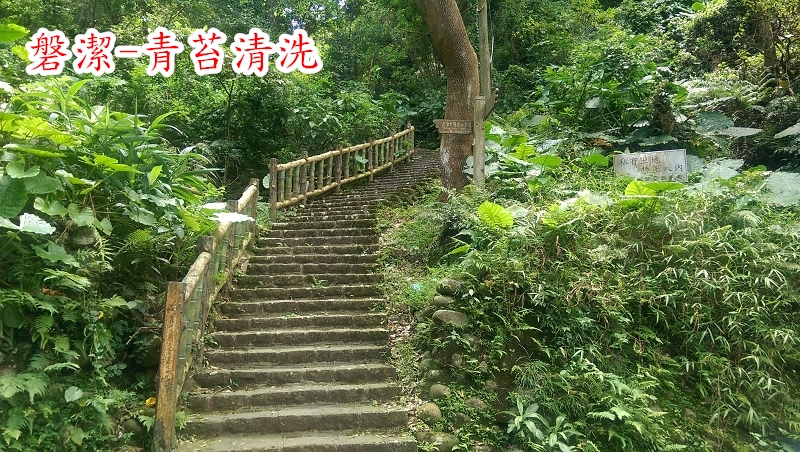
(262, 249)
(302, 418)
(304, 215)
(261, 263)
(293, 354)
(314, 230)
(297, 306)
(351, 319)
(288, 281)
(295, 394)
(280, 293)
(299, 336)
(265, 242)
(326, 224)
(309, 268)
(356, 441)
(257, 375)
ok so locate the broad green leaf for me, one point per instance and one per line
(54, 208)
(656, 140)
(63, 139)
(722, 169)
(76, 435)
(13, 196)
(81, 217)
(523, 150)
(709, 122)
(55, 253)
(694, 163)
(34, 149)
(42, 184)
(104, 225)
(794, 130)
(697, 7)
(21, 52)
(596, 160)
(265, 181)
(72, 394)
(515, 140)
(12, 32)
(142, 216)
(658, 187)
(72, 179)
(495, 215)
(31, 223)
(152, 176)
(738, 132)
(6, 223)
(784, 188)
(17, 170)
(7, 121)
(639, 188)
(550, 161)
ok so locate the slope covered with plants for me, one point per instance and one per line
(608, 313)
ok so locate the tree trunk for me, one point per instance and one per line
(450, 41)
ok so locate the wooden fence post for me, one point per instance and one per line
(273, 190)
(164, 427)
(338, 169)
(370, 152)
(304, 177)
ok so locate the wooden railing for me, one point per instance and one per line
(294, 182)
(189, 301)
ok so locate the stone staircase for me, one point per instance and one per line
(302, 358)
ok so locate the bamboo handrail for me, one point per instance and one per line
(189, 301)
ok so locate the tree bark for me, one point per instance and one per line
(450, 41)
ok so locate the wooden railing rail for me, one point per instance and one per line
(189, 301)
(295, 182)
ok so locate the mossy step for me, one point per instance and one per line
(300, 280)
(295, 394)
(295, 336)
(293, 354)
(257, 263)
(298, 306)
(333, 238)
(265, 249)
(309, 268)
(356, 441)
(315, 231)
(281, 293)
(325, 224)
(304, 418)
(319, 319)
(255, 375)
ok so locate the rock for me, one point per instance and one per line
(439, 391)
(436, 376)
(445, 442)
(442, 301)
(483, 366)
(482, 448)
(84, 236)
(461, 419)
(474, 342)
(427, 363)
(461, 377)
(135, 427)
(457, 360)
(453, 318)
(491, 386)
(476, 403)
(429, 413)
(689, 414)
(448, 286)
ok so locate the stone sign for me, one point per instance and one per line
(457, 126)
(658, 165)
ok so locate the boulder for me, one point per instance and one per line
(439, 391)
(452, 318)
(444, 442)
(448, 286)
(429, 413)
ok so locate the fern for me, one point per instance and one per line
(41, 329)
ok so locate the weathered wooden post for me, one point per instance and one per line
(304, 177)
(164, 426)
(479, 155)
(338, 169)
(370, 151)
(273, 189)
